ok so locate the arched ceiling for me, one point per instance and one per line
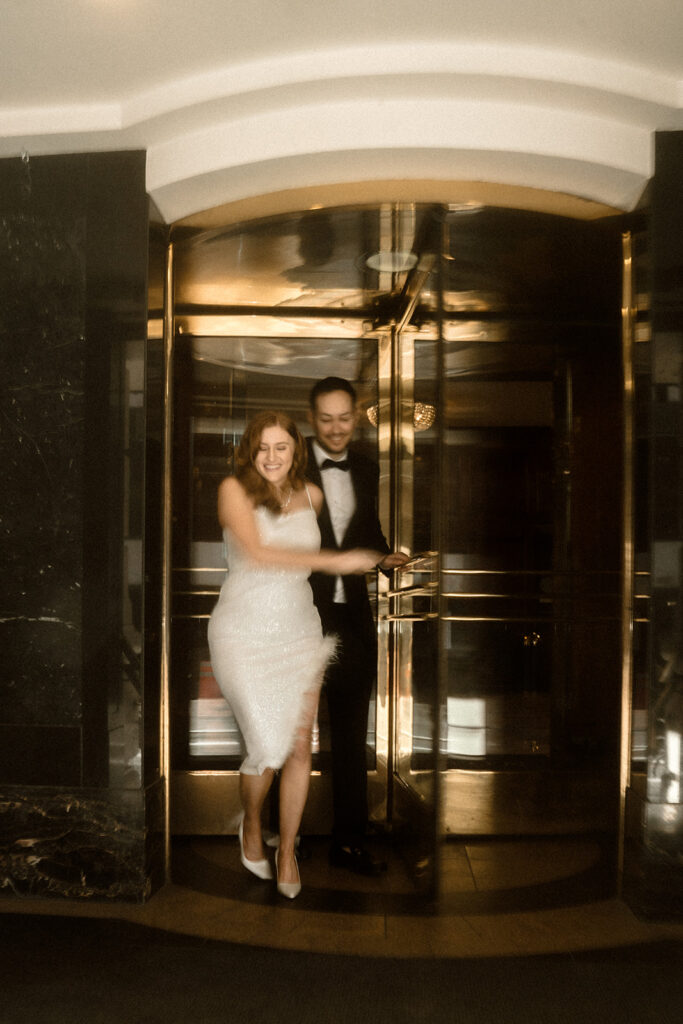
(234, 100)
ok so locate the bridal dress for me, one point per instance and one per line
(265, 639)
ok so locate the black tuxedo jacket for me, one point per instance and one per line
(364, 531)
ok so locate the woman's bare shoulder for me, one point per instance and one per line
(230, 489)
(316, 494)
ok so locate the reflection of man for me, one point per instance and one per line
(349, 519)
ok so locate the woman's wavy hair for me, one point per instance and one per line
(245, 471)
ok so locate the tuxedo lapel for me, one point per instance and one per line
(327, 538)
(356, 519)
(361, 530)
(324, 522)
(312, 468)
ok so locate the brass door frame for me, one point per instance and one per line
(166, 569)
(414, 793)
(474, 801)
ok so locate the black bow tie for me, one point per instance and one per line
(331, 464)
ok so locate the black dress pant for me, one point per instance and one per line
(349, 683)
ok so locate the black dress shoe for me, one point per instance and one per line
(303, 850)
(356, 859)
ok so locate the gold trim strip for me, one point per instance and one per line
(544, 598)
(198, 568)
(167, 523)
(196, 593)
(574, 573)
(379, 795)
(627, 323)
(409, 618)
(420, 590)
(540, 619)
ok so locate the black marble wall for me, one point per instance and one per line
(654, 851)
(76, 816)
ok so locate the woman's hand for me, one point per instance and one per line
(356, 561)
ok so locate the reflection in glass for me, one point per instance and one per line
(125, 707)
(530, 602)
(315, 258)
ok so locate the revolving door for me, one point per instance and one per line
(485, 348)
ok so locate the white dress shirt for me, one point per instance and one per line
(341, 504)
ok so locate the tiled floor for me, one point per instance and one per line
(500, 897)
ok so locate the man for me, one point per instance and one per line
(348, 519)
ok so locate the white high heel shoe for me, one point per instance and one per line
(290, 890)
(260, 868)
(272, 839)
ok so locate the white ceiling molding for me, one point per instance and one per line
(353, 68)
(565, 103)
(452, 71)
(612, 187)
(556, 141)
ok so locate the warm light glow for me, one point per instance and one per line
(392, 262)
(423, 415)
(673, 766)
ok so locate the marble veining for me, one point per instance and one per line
(77, 845)
(73, 255)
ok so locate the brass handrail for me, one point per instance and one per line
(533, 572)
(409, 617)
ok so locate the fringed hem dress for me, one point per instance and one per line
(265, 639)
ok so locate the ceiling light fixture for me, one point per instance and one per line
(391, 262)
(424, 415)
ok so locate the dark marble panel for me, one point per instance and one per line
(155, 836)
(77, 844)
(667, 231)
(73, 255)
(42, 342)
(73, 327)
(40, 671)
(40, 755)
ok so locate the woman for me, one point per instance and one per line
(267, 649)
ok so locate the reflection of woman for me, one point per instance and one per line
(267, 649)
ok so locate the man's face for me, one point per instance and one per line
(333, 420)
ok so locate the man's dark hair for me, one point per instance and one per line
(329, 384)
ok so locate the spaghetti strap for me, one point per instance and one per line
(308, 495)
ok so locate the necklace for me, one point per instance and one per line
(285, 504)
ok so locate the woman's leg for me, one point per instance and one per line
(253, 792)
(294, 781)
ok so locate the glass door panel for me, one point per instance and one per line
(531, 589)
(219, 385)
(415, 602)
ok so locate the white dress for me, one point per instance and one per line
(265, 639)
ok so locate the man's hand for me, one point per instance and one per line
(393, 560)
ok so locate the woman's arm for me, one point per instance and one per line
(236, 512)
(317, 496)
